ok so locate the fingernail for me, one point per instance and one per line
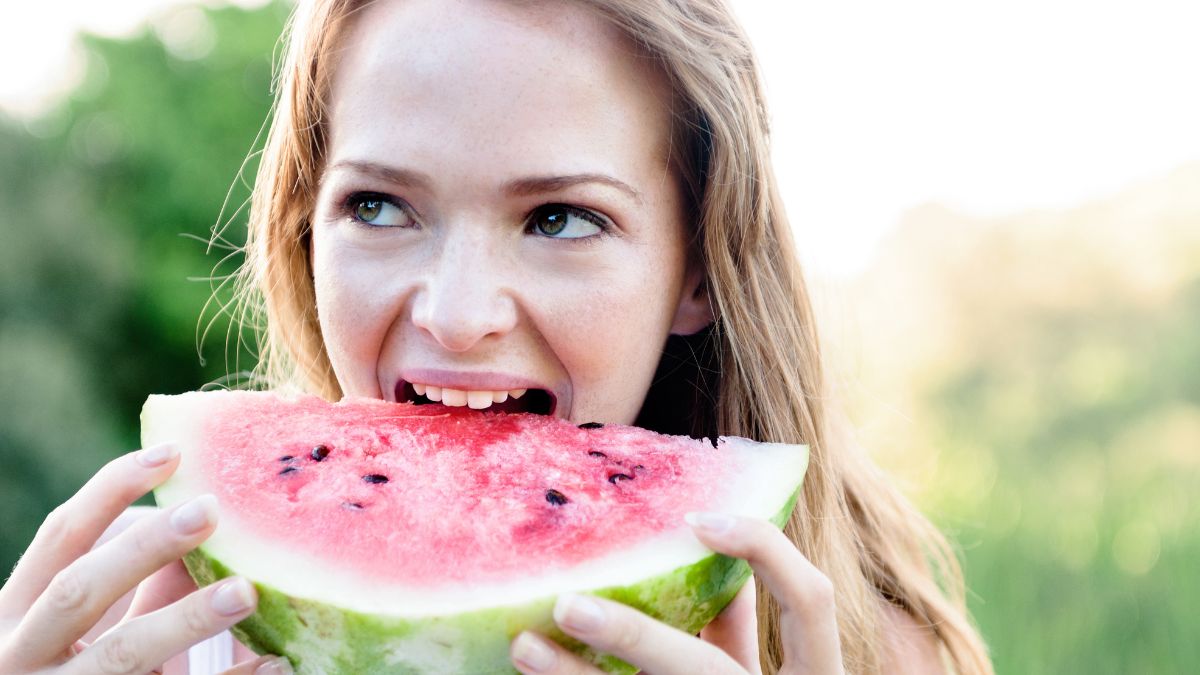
(714, 523)
(533, 653)
(195, 515)
(234, 597)
(274, 666)
(157, 455)
(579, 612)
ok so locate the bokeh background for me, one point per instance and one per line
(1000, 209)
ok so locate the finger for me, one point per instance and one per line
(141, 644)
(113, 615)
(167, 585)
(79, 595)
(128, 517)
(626, 633)
(71, 529)
(531, 653)
(735, 630)
(266, 665)
(808, 623)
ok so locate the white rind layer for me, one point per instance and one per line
(770, 477)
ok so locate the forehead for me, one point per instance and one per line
(496, 80)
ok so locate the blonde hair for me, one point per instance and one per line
(874, 546)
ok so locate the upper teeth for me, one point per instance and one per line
(477, 399)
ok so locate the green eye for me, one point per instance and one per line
(379, 211)
(561, 221)
(552, 223)
(368, 210)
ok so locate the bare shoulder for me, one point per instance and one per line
(911, 649)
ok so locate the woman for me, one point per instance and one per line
(472, 197)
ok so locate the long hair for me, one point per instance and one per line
(757, 370)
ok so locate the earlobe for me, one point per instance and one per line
(695, 312)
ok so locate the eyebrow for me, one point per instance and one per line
(389, 174)
(542, 184)
(520, 187)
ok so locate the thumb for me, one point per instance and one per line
(735, 630)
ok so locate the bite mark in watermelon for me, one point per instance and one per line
(394, 538)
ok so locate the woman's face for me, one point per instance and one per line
(497, 212)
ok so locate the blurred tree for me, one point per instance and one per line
(1049, 368)
(107, 203)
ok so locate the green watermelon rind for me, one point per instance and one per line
(321, 638)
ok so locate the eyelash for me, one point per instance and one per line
(351, 202)
(590, 216)
(354, 199)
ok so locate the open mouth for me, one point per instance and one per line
(536, 401)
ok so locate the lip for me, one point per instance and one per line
(479, 381)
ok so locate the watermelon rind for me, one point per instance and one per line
(320, 638)
(323, 635)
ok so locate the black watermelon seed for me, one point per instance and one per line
(320, 452)
(290, 469)
(638, 467)
(286, 458)
(556, 498)
(596, 453)
(591, 425)
(618, 477)
(352, 506)
(375, 478)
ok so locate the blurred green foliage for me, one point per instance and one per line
(1082, 557)
(1069, 434)
(1051, 368)
(107, 203)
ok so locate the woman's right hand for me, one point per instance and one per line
(62, 585)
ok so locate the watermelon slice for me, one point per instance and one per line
(390, 537)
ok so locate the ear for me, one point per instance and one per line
(694, 313)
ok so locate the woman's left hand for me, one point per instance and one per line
(808, 624)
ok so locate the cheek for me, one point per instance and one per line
(353, 310)
(607, 329)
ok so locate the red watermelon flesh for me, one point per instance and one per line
(481, 495)
(390, 537)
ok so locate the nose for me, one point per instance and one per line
(465, 297)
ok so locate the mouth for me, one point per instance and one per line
(535, 401)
